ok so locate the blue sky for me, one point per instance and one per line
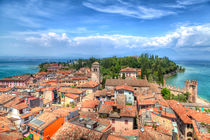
(179, 29)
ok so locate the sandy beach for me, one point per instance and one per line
(202, 101)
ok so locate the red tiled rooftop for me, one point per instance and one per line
(203, 136)
(72, 96)
(47, 118)
(146, 102)
(6, 97)
(33, 111)
(76, 132)
(124, 87)
(128, 111)
(128, 69)
(115, 137)
(70, 90)
(79, 78)
(16, 78)
(105, 108)
(5, 89)
(96, 63)
(180, 111)
(109, 102)
(90, 103)
(89, 84)
(64, 111)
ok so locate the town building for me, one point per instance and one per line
(104, 95)
(131, 73)
(127, 91)
(121, 117)
(45, 126)
(69, 90)
(95, 72)
(89, 87)
(140, 85)
(8, 131)
(16, 81)
(90, 106)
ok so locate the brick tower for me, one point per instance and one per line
(191, 87)
(95, 72)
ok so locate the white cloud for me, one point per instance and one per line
(128, 9)
(197, 37)
(191, 2)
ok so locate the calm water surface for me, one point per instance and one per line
(195, 70)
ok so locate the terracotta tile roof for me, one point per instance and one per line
(64, 111)
(4, 98)
(46, 101)
(124, 87)
(12, 103)
(128, 69)
(64, 71)
(41, 73)
(133, 132)
(46, 117)
(105, 108)
(165, 125)
(155, 87)
(52, 83)
(104, 92)
(128, 111)
(75, 132)
(46, 88)
(109, 102)
(8, 131)
(80, 73)
(17, 78)
(202, 136)
(89, 84)
(33, 111)
(115, 137)
(180, 111)
(85, 69)
(72, 96)
(169, 115)
(90, 103)
(70, 90)
(5, 89)
(95, 63)
(129, 82)
(3, 112)
(20, 106)
(79, 78)
(146, 102)
(198, 116)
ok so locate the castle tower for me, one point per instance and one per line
(95, 72)
(191, 87)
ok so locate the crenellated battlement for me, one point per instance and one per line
(190, 86)
(173, 88)
(191, 82)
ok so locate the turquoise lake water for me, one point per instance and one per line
(195, 70)
(11, 67)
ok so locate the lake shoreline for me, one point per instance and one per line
(200, 100)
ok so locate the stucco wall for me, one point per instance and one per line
(120, 125)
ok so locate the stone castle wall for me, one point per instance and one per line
(190, 86)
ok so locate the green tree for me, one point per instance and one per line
(123, 76)
(166, 93)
